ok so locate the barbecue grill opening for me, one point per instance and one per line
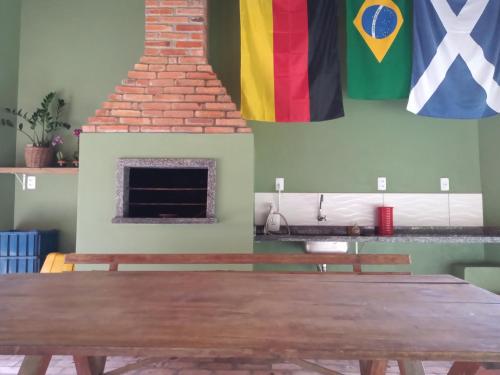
(166, 190)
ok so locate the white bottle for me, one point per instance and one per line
(273, 222)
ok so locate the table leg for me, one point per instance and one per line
(411, 368)
(35, 365)
(89, 365)
(378, 367)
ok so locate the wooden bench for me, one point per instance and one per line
(113, 261)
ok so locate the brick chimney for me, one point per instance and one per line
(172, 89)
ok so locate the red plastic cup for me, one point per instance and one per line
(385, 221)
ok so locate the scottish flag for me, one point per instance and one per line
(456, 59)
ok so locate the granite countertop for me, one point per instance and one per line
(322, 233)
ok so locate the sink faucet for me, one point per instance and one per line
(321, 215)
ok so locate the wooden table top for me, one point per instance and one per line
(247, 314)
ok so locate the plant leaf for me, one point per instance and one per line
(7, 122)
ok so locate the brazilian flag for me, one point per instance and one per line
(379, 49)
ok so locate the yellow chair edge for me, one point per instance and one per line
(54, 263)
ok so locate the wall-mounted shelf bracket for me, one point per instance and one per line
(21, 178)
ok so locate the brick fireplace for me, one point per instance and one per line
(170, 107)
(173, 88)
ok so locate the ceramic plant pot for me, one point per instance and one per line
(38, 157)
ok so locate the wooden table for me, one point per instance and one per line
(91, 315)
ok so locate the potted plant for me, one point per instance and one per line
(60, 159)
(38, 127)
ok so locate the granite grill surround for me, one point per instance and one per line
(172, 89)
(122, 189)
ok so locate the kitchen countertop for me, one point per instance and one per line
(322, 233)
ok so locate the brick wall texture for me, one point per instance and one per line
(172, 89)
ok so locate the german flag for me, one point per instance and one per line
(290, 69)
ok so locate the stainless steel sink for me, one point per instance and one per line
(326, 247)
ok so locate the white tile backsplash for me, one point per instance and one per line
(300, 208)
(419, 209)
(466, 209)
(349, 209)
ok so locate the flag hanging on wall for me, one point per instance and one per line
(290, 69)
(378, 49)
(456, 66)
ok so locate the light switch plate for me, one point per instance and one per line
(31, 183)
(445, 184)
(280, 184)
(382, 184)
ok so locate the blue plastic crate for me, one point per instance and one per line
(25, 252)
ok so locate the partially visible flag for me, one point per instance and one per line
(456, 65)
(378, 49)
(290, 69)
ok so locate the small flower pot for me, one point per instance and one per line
(38, 157)
(61, 163)
(76, 163)
(354, 231)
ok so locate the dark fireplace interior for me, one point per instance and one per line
(167, 193)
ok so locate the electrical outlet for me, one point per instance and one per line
(280, 184)
(31, 183)
(445, 184)
(382, 184)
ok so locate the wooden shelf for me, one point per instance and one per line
(167, 204)
(36, 171)
(167, 189)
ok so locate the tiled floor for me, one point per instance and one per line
(176, 366)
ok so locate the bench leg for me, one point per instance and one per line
(35, 365)
(411, 368)
(89, 365)
(373, 367)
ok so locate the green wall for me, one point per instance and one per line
(234, 200)
(489, 137)
(9, 62)
(81, 49)
(51, 206)
(376, 138)
(84, 48)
